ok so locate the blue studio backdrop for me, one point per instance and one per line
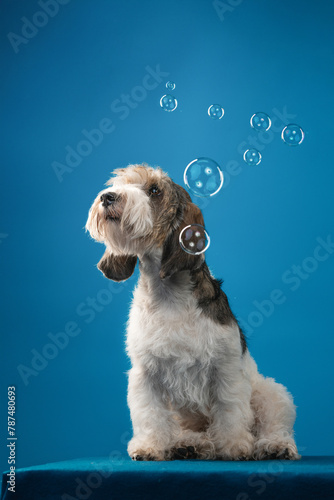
(80, 89)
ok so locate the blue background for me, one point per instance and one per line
(259, 55)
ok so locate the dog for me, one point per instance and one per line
(194, 391)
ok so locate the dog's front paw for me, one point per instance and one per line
(141, 456)
(141, 451)
(183, 453)
(191, 446)
(266, 449)
(235, 453)
(241, 449)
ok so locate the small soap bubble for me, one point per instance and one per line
(170, 85)
(216, 112)
(203, 177)
(252, 157)
(168, 102)
(293, 134)
(194, 239)
(260, 122)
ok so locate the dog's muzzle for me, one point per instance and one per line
(109, 202)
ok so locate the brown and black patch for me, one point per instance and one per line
(174, 259)
(213, 301)
(168, 206)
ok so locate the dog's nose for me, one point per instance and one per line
(108, 198)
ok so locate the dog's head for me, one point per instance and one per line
(142, 212)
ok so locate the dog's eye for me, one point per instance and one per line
(154, 190)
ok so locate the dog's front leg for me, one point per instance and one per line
(153, 426)
(232, 417)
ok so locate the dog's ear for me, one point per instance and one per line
(174, 259)
(117, 267)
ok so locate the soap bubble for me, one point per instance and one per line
(260, 122)
(170, 85)
(168, 102)
(293, 134)
(203, 177)
(194, 239)
(216, 111)
(252, 157)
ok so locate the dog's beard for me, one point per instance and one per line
(111, 213)
(125, 226)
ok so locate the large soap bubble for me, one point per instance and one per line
(203, 177)
(194, 239)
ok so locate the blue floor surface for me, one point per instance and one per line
(101, 479)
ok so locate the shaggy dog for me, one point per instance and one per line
(194, 389)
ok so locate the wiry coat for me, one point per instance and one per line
(194, 390)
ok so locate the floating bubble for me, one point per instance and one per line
(260, 122)
(170, 85)
(252, 157)
(194, 239)
(203, 177)
(168, 102)
(216, 112)
(293, 134)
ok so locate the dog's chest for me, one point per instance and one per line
(176, 348)
(177, 345)
(174, 330)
